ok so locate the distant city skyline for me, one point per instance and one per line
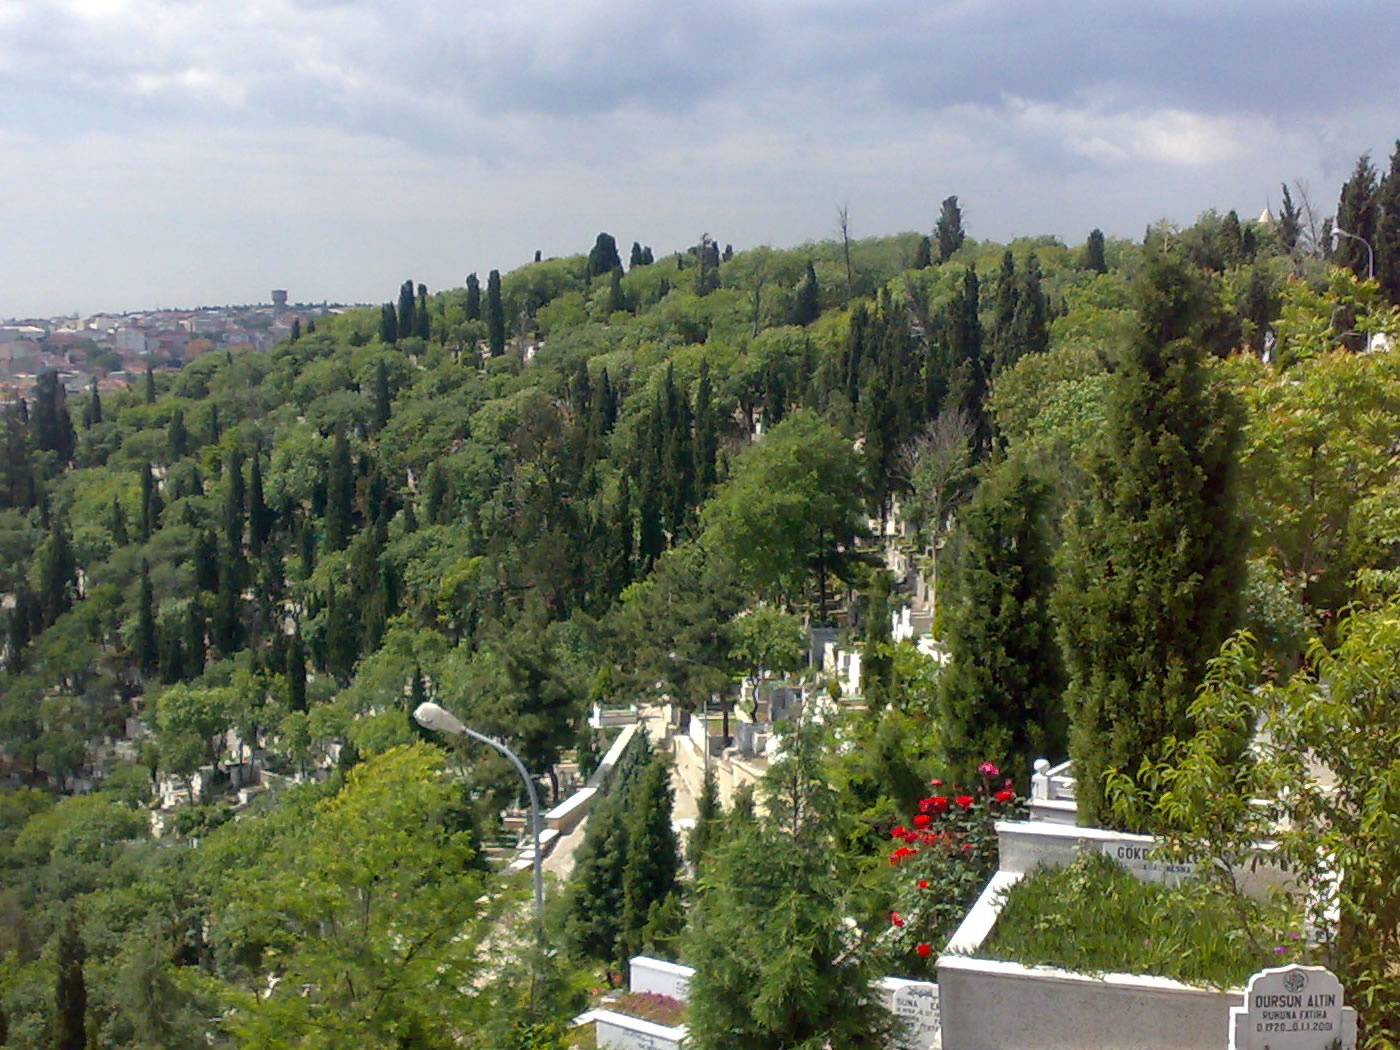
(160, 153)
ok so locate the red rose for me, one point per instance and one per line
(1004, 795)
(924, 949)
(895, 920)
(936, 783)
(922, 820)
(923, 884)
(898, 832)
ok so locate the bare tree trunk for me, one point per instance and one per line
(843, 220)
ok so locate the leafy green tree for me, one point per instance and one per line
(371, 901)
(948, 231)
(495, 315)
(53, 426)
(1151, 568)
(70, 989)
(791, 510)
(1000, 695)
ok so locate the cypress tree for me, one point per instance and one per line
(1030, 319)
(295, 333)
(1093, 252)
(70, 989)
(259, 514)
(150, 386)
(877, 654)
(923, 254)
(709, 817)
(706, 434)
(1290, 224)
(177, 436)
(388, 325)
(653, 860)
(171, 651)
(235, 501)
(296, 672)
(473, 298)
(617, 301)
(1387, 242)
(808, 306)
(194, 640)
(1000, 695)
(215, 431)
(495, 315)
(147, 654)
(407, 322)
(228, 624)
(59, 572)
(120, 537)
(341, 635)
(424, 329)
(151, 504)
(340, 495)
(206, 562)
(603, 257)
(1152, 566)
(948, 231)
(382, 398)
(1357, 211)
(637, 258)
(53, 427)
(93, 415)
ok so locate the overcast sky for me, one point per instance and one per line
(179, 152)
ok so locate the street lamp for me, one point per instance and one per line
(704, 701)
(432, 716)
(1337, 231)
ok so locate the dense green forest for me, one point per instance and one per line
(595, 482)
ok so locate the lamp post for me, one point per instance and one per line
(705, 703)
(432, 716)
(1337, 231)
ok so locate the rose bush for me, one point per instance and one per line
(949, 851)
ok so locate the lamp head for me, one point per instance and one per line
(433, 716)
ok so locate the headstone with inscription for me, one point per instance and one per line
(915, 1005)
(1293, 1008)
(1138, 858)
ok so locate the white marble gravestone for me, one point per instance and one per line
(1293, 1008)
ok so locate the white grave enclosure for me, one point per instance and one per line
(1293, 1008)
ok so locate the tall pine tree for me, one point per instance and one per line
(1357, 211)
(1000, 695)
(495, 315)
(1152, 567)
(70, 989)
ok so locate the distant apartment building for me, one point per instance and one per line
(130, 341)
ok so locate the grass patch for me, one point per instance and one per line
(1094, 917)
(650, 1006)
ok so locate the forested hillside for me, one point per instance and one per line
(569, 483)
